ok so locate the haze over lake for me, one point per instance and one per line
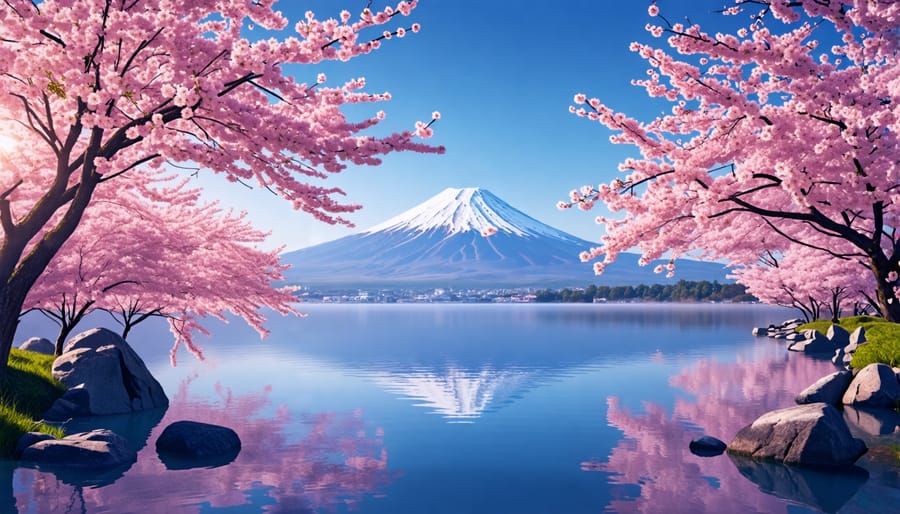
(471, 409)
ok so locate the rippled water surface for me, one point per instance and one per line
(472, 409)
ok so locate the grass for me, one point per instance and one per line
(883, 339)
(26, 392)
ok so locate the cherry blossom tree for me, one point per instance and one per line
(97, 89)
(151, 248)
(808, 280)
(784, 130)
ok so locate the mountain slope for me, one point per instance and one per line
(439, 243)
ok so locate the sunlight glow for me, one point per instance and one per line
(7, 143)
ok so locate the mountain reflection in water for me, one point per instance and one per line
(482, 409)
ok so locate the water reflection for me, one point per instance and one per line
(825, 491)
(336, 459)
(652, 467)
(456, 394)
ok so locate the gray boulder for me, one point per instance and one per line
(97, 449)
(186, 444)
(760, 331)
(114, 376)
(28, 439)
(875, 386)
(838, 358)
(829, 389)
(814, 434)
(838, 335)
(814, 342)
(858, 336)
(848, 357)
(38, 345)
(75, 402)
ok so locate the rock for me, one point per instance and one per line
(814, 342)
(38, 345)
(875, 386)
(760, 331)
(707, 446)
(74, 403)
(829, 389)
(838, 335)
(114, 376)
(847, 358)
(186, 444)
(97, 449)
(814, 434)
(858, 336)
(838, 358)
(28, 439)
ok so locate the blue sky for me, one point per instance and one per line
(503, 75)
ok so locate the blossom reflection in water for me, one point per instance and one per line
(337, 459)
(654, 471)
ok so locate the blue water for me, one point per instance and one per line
(472, 409)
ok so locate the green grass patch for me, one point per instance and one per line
(883, 339)
(26, 392)
(883, 346)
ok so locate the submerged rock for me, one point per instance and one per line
(186, 444)
(814, 434)
(97, 449)
(707, 446)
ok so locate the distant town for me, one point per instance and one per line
(682, 291)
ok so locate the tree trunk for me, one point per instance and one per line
(888, 302)
(10, 309)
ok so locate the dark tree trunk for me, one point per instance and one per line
(888, 303)
(9, 321)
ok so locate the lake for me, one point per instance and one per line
(457, 408)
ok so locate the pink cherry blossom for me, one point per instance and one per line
(135, 87)
(773, 147)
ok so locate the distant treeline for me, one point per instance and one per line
(682, 291)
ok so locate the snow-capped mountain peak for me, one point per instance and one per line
(467, 209)
(442, 241)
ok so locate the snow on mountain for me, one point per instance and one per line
(469, 209)
(439, 243)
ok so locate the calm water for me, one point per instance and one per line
(472, 409)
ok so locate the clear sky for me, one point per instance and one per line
(503, 75)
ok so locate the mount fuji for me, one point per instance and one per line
(439, 243)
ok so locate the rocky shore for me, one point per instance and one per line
(816, 433)
(106, 377)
